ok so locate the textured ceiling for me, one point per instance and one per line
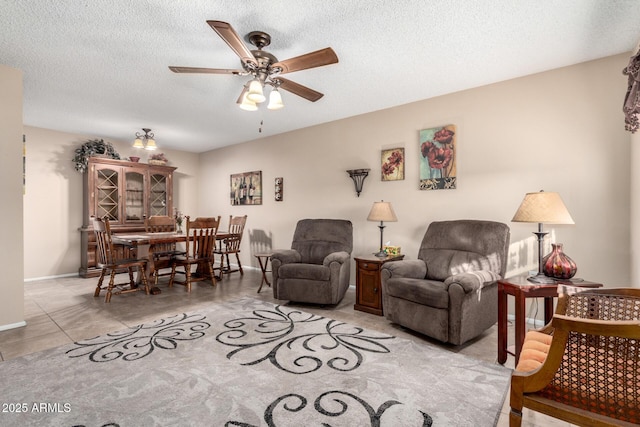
(99, 67)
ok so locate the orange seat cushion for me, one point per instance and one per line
(534, 351)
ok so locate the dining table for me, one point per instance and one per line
(144, 244)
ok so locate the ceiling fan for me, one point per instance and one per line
(264, 68)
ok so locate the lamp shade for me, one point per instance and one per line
(247, 104)
(382, 211)
(151, 145)
(255, 92)
(138, 143)
(543, 207)
(275, 100)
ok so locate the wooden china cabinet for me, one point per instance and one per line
(125, 192)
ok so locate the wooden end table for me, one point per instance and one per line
(521, 289)
(263, 260)
(368, 286)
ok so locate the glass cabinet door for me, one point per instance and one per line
(107, 194)
(158, 196)
(134, 197)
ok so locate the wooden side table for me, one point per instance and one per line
(368, 286)
(521, 289)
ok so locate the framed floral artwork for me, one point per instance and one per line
(246, 188)
(392, 164)
(438, 148)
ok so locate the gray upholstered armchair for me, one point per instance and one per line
(316, 269)
(450, 292)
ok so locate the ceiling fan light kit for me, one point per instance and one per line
(264, 68)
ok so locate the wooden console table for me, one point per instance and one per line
(368, 287)
(521, 289)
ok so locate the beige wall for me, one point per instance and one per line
(53, 200)
(561, 130)
(11, 261)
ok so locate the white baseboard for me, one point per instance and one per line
(58, 276)
(13, 326)
(536, 323)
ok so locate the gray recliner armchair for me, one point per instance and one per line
(450, 292)
(317, 267)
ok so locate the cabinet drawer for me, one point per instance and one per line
(371, 266)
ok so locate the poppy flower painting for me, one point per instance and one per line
(393, 164)
(438, 158)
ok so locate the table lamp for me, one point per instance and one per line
(382, 211)
(543, 208)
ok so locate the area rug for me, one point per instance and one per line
(250, 363)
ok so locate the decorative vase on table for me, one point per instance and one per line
(558, 264)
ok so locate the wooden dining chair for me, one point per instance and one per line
(113, 260)
(231, 245)
(200, 244)
(163, 253)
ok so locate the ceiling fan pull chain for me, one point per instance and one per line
(260, 128)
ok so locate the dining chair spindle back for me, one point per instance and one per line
(231, 245)
(115, 259)
(200, 244)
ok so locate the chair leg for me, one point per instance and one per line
(221, 266)
(112, 280)
(145, 282)
(239, 264)
(173, 275)
(213, 277)
(187, 273)
(515, 418)
(228, 263)
(100, 280)
(132, 283)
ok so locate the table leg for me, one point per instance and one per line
(502, 325)
(263, 268)
(521, 324)
(145, 252)
(548, 309)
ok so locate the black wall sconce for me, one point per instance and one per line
(358, 176)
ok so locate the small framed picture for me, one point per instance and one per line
(392, 162)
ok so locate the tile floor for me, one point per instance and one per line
(63, 310)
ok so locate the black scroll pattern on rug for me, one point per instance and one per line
(140, 341)
(103, 425)
(334, 403)
(272, 335)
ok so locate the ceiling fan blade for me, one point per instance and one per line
(229, 35)
(300, 90)
(197, 70)
(318, 58)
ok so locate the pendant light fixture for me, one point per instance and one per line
(145, 140)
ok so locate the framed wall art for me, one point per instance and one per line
(438, 148)
(392, 162)
(246, 188)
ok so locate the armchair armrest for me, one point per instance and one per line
(340, 257)
(472, 280)
(286, 256)
(414, 268)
